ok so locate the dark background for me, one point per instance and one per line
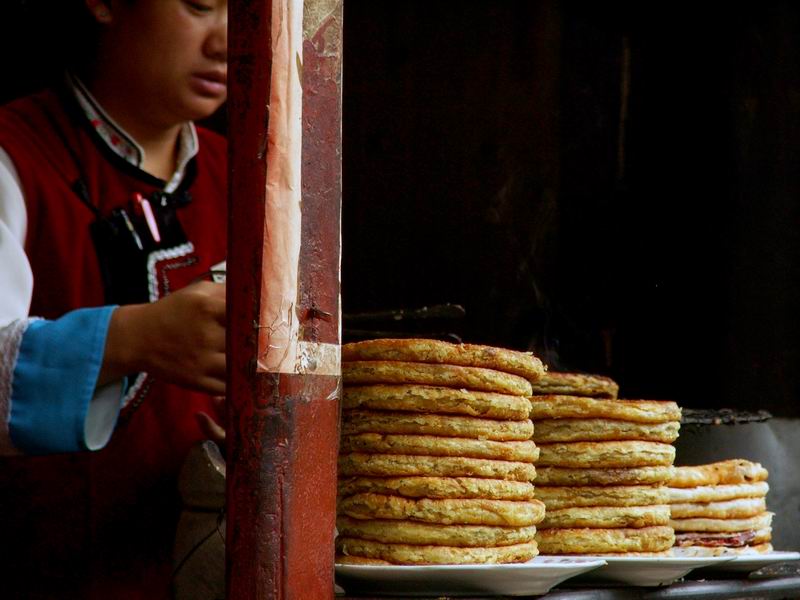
(612, 186)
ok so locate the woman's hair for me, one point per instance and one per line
(44, 37)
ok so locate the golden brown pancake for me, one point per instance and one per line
(433, 445)
(556, 498)
(470, 378)
(599, 430)
(341, 559)
(373, 421)
(410, 554)
(733, 471)
(523, 364)
(604, 541)
(738, 508)
(637, 554)
(557, 476)
(721, 550)
(606, 517)
(438, 400)
(700, 524)
(576, 407)
(718, 493)
(412, 532)
(399, 465)
(575, 384)
(606, 454)
(438, 487)
(502, 513)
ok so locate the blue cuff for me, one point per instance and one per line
(55, 379)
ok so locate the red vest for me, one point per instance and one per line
(99, 525)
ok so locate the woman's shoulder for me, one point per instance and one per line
(27, 124)
(29, 110)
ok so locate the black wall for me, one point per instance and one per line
(492, 159)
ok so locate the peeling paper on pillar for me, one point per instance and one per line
(279, 348)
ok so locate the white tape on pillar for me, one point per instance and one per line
(280, 349)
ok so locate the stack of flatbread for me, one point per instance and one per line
(555, 383)
(720, 508)
(436, 457)
(602, 467)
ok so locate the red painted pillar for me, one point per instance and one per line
(283, 296)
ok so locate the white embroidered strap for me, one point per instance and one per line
(134, 389)
(10, 340)
(155, 257)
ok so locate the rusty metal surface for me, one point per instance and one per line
(283, 428)
(322, 169)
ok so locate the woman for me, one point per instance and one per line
(111, 204)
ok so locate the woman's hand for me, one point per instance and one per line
(179, 339)
(210, 424)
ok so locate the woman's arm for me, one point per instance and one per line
(61, 381)
(49, 397)
(179, 339)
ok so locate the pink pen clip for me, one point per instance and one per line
(149, 217)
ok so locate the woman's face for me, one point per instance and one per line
(169, 56)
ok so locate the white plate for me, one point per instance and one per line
(746, 563)
(520, 579)
(647, 570)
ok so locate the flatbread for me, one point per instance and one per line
(598, 430)
(341, 559)
(700, 524)
(634, 554)
(470, 378)
(373, 421)
(724, 539)
(721, 551)
(606, 517)
(558, 476)
(398, 465)
(439, 400)
(576, 407)
(604, 541)
(438, 487)
(432, 445)
(411, 554)
(524, 364)
(718, 493)
(411, 532)
(502, 513)
(724, 472)
(606, 454)
(575, 384)
(556, 498)
(739, 508)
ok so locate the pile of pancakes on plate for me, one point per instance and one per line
(602, 467)
(720, 508)
(436, 458)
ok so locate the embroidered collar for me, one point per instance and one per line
(122, 143)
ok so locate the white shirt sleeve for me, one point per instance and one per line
(16, 289)
(16, 278)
